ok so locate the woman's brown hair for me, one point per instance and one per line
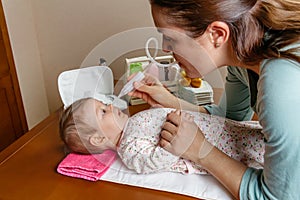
(260, 29)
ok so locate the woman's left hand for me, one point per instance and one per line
(181, 136)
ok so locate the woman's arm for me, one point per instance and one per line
(153, 92)
(235, 101)
(183, 138)
(232, 106)
(278, 106)
(227, 170)
(278, 112)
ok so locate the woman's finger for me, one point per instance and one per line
(143, 95)
(151, 80)
(131, 76)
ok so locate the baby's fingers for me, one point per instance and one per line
(166, 135)
(165, 144)
(170, 127)
(174, 117)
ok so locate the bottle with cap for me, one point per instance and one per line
(128, 87)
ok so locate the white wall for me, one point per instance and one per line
(22, 32)
(51, 36)
(69, 29)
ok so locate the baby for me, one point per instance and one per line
(90, 127)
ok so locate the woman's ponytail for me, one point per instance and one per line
(281, 22)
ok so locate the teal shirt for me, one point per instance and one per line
(278, 109)
(235, 101)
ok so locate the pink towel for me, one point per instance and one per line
(89, 167)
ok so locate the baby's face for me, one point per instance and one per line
(109, 120)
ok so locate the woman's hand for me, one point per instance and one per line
(181, 136)
(154, 93)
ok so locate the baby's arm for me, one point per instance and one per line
(139, 149)
(145, 156)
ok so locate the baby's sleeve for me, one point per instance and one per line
(144, 156)
(139, 148)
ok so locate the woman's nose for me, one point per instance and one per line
(166, 47)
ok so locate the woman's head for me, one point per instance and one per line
(195, 15)
(89, 126)
(257, 29)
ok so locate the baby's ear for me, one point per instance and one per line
(96, 140)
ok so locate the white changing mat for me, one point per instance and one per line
(198, 186)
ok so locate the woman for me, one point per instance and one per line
(261, 38)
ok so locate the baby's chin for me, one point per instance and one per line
(125, 122)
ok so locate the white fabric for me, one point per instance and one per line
(194, 185)
(95, 81)
(139, 150)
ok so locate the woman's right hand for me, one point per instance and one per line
(151, 90)
(182, 137)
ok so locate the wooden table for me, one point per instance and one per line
(28, 171)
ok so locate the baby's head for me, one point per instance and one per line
(88, 126)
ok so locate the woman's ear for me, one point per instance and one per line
(97, 140)
(218, 33)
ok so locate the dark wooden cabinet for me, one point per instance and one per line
(12, 117)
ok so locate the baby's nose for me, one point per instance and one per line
(110, 107)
